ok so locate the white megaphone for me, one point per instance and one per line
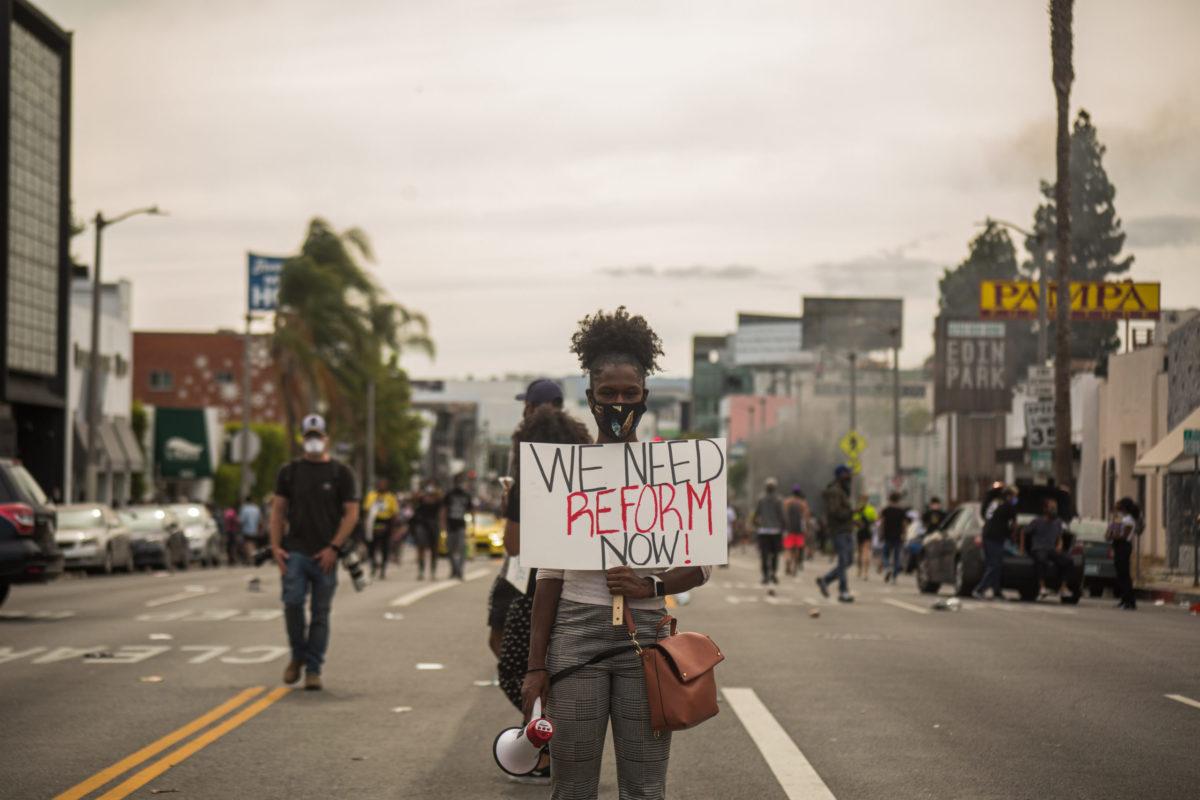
(518, 750)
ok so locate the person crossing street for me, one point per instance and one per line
(317, 497)
(839, 522)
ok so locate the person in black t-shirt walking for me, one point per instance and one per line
(426, 527)
(999, 524)
(318, 497)
(455, 506)
(894, 524)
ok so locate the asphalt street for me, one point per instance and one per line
(884, 697)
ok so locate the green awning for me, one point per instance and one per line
(181, 443)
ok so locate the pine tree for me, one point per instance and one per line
(991, 256)
(1096, 235)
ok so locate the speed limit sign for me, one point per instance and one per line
(1039, 425)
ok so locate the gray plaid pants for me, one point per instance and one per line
(581, 705)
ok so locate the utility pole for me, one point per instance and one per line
(244, 486)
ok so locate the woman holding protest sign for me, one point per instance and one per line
(572, 609)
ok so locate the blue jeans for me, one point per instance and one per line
(843, 545)
(993, 557)
(891, 555)
(308, 641)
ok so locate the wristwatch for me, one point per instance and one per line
(657, 586)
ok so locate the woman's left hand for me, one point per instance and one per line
(623, 581)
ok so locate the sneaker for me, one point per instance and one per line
(291, 673)
(774, 579)
(887, 578)
(821, 585)
(845, 598)
(978, 595)
(312, 682)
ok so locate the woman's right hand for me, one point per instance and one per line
(536, 687)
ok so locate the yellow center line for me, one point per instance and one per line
(191, 748)
(125, 764)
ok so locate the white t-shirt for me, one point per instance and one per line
(1125, 528)
(590, 586)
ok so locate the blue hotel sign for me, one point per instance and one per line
(264, 282)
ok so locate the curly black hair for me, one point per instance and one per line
(549, 425)
(616, 338)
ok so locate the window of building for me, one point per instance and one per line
(161, 380)
(224, 376)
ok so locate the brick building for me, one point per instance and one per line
(204, 370)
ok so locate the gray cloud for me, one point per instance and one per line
(696, 271)
(1165, 230)
(886, 272)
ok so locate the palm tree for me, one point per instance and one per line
(335, 330)
(1061, 44)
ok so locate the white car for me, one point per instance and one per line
(92, 536)
(203, 535)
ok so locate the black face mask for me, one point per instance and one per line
(618, 419)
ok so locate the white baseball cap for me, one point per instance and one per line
(313, 422)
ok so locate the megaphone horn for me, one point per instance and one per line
(518, 750)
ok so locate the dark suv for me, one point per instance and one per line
(28, 553)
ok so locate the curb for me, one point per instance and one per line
(1189, 596)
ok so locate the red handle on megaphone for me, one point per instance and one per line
(539, 730)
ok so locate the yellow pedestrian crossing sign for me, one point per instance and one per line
(853, 444)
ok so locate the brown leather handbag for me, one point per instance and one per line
(680, 684)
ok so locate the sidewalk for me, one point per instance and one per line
(1169, 589)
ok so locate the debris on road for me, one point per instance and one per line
(151, 679)
(163, 636)
(401, 709)
(98, 654)
(163, 791)
(429, 666)
(816, 612)
(392, 615)
(254, 584)
(949, 604)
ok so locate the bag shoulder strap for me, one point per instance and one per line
(601, 656)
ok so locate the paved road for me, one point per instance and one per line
(881, 698)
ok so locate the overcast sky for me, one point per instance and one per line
(519, 164)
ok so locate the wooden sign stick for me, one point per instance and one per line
(619, 609)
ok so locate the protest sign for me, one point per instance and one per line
(640, 504)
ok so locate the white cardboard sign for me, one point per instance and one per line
(641, 504)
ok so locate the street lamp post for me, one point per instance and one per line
(93, 399)
(1043, 283)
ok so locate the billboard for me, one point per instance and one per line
(1090, 300)
(852, 324)
(264, 274)
(973, 366)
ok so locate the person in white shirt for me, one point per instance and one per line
(1120, 533)
(572, 610)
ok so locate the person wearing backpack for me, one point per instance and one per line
(318, 497)
(796, 513)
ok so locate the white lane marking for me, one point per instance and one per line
(175, 598)
(905, 606)
(135, 654)
(795, 775)
(427, 666)
(425, 591)
(1187, 701)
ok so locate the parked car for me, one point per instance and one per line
(92, 536)
(1099, 571)
(953, 554)
(202, 532)
(158, 540)
(28, 552)
(487, 531)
